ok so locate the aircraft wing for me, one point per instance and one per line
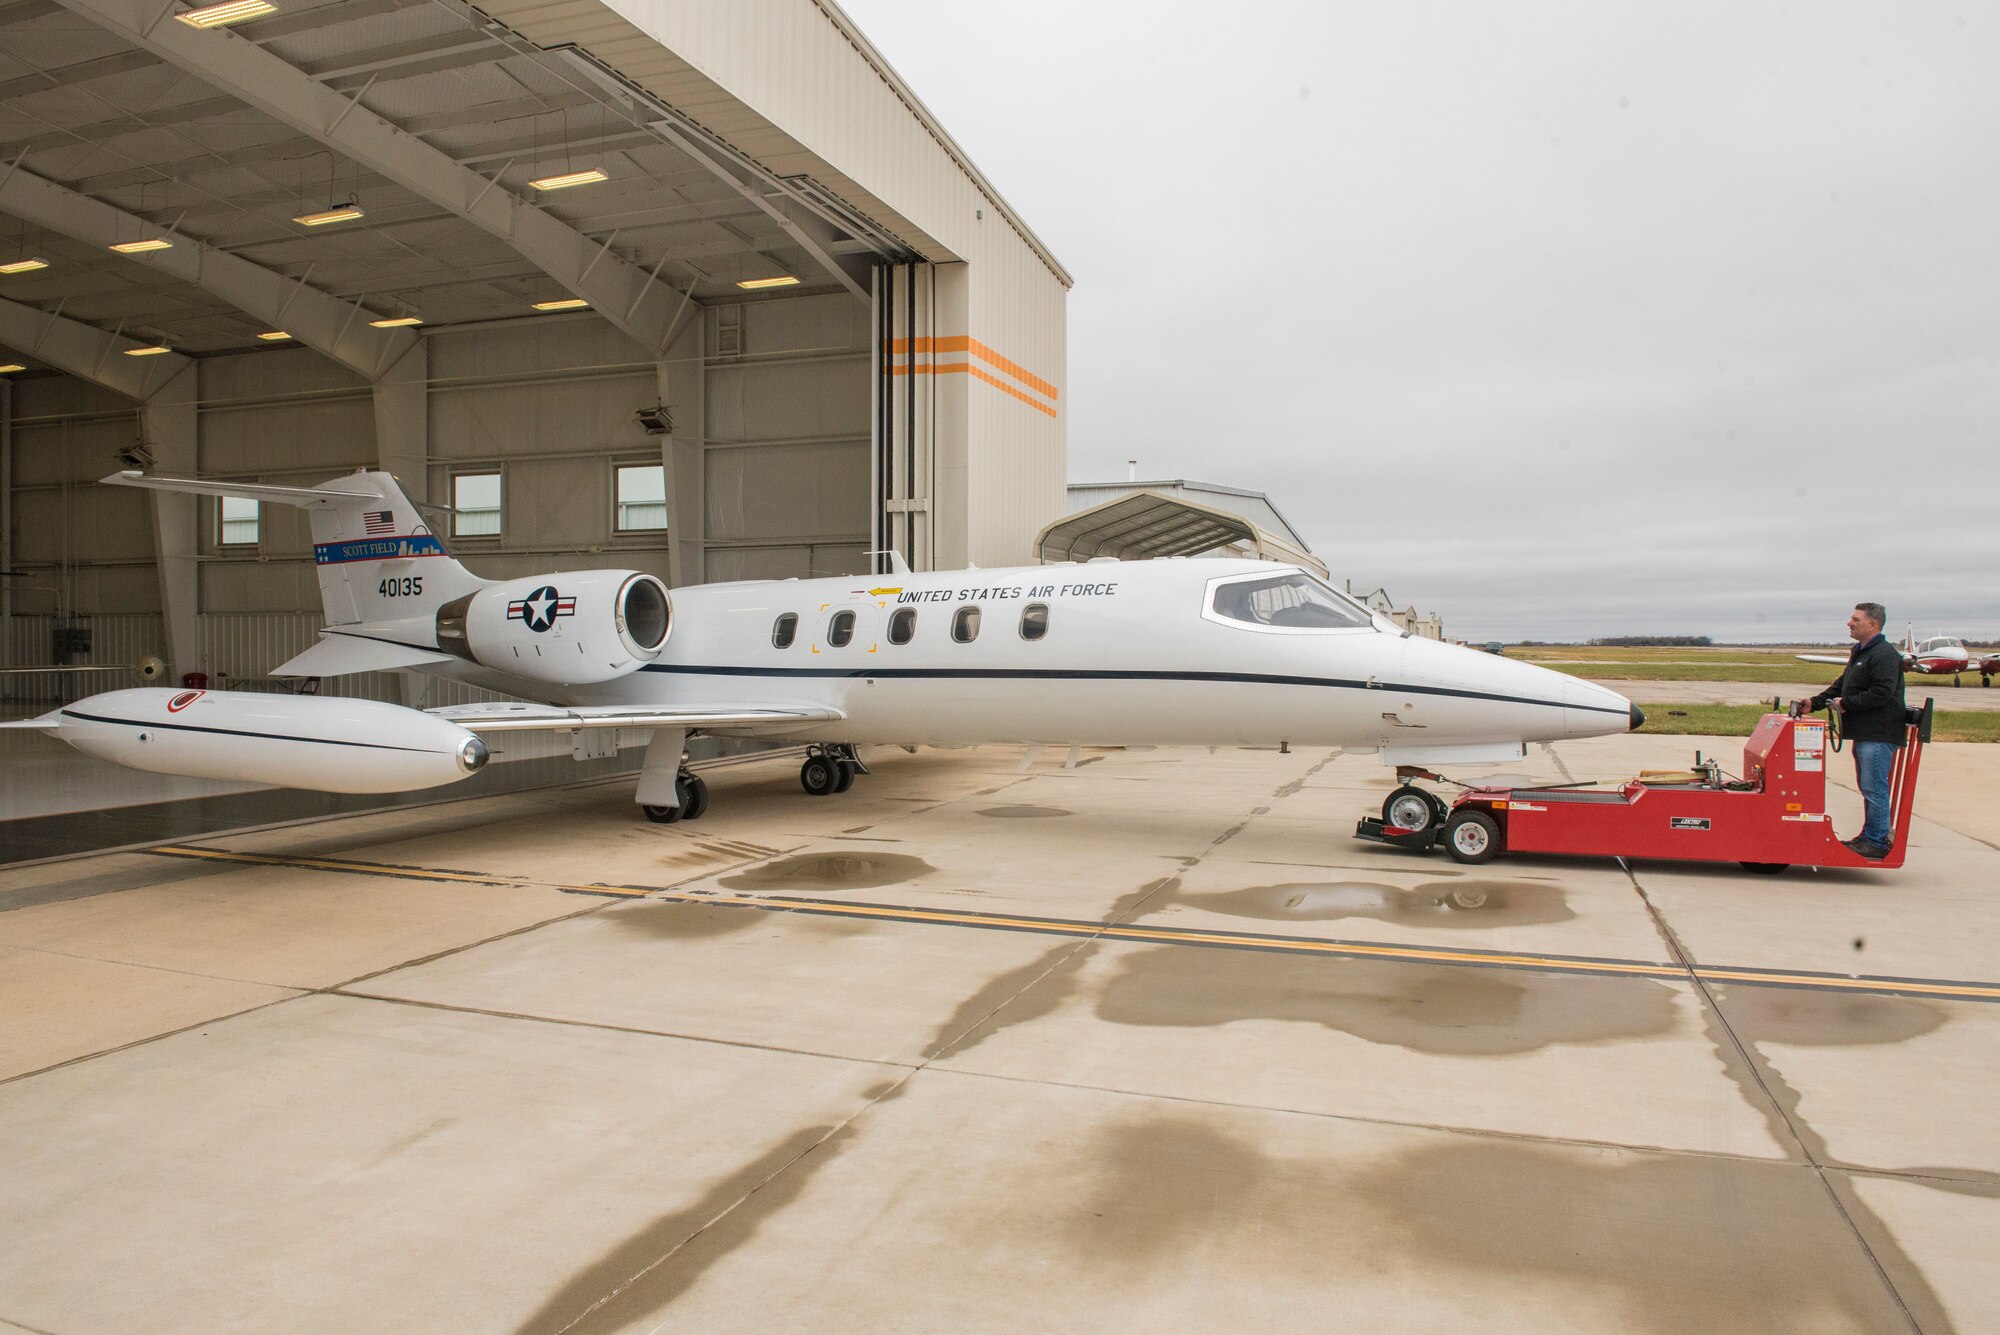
(511, 717)
(1821, 658)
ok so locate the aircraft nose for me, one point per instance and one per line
(1638, 718)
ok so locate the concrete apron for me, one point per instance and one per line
(1148, 1042)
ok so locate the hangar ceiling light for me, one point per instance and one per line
(589, 176)
(564, 304)
(150, 243)
(397, 321)
(788, 280)
(11, 367)
(147, 351)
(274, 335)
(236, 11)
(347, 212)
(24, 266)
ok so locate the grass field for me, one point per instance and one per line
(1609, 663)
(1738, 720)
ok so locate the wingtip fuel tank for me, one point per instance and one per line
(291, 741)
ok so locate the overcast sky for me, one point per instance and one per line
(1558, 319)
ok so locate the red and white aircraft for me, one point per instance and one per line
(1938, 656)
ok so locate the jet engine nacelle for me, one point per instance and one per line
(292, 741)
(571, 629)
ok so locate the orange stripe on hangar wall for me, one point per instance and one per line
(908, 347)
(966, 368)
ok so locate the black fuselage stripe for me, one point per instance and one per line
(1116, 674)
(233, 732)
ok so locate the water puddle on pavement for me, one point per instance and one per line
(1451, 904)
(829, 871)
(1023, 811)
(1441, 1009)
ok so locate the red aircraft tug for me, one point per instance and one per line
(1771, 818)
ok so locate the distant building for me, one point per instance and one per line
(1427, 624)
(1137, 520)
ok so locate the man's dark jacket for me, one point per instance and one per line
(1871, 693)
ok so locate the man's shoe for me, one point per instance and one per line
(1874, 852)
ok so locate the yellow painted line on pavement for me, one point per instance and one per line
(1941, 989)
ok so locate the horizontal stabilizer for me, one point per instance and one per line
(341, 654)
(528, 718)
(307, 497)
(48, 722)
(1821, 658)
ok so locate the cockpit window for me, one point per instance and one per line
(1289, 601)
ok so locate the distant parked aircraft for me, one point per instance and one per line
(1939, 656)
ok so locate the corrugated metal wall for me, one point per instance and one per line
(773, 398)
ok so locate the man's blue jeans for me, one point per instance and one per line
(1872, 763)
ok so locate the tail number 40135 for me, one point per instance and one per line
(407, 586)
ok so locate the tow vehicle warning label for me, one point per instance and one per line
(1688, 823)
(1809, 747)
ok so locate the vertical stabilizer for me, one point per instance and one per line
(378, 559)
(376, 556)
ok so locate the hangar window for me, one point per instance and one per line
(1034, 621)
(785, 631)
(237, 522)
(902, 625)
(965, 624)
(475, 505)
(1291, 601)
(642, 498)
(840, 630)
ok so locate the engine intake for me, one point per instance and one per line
(571, 629)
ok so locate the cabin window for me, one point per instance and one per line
(902, 625)
(840, 630)
(965, 624)
(1293, 600)
(785, 630)
(238, 522)
(1034, 621)
(475, 505)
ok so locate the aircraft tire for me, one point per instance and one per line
(662, 815)
(1472, 837)
(1403, 807)
(848, 769)
(694, 797)
(819, 776)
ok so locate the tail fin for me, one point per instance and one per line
(378, 560)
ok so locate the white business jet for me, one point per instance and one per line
(1167, 652)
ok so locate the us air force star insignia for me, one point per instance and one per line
(539, 610)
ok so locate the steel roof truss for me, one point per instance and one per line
(638, 304)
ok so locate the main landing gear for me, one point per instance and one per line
(692, 791)
(830, 769)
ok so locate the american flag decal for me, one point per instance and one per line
(379, 523)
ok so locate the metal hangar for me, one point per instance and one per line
(699, 288)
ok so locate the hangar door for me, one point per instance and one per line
(785, 456)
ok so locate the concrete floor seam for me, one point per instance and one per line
(1801, 1135)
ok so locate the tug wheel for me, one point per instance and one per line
(819, 776)
(1766, 868)
(1409, 808)
(1472, 837)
